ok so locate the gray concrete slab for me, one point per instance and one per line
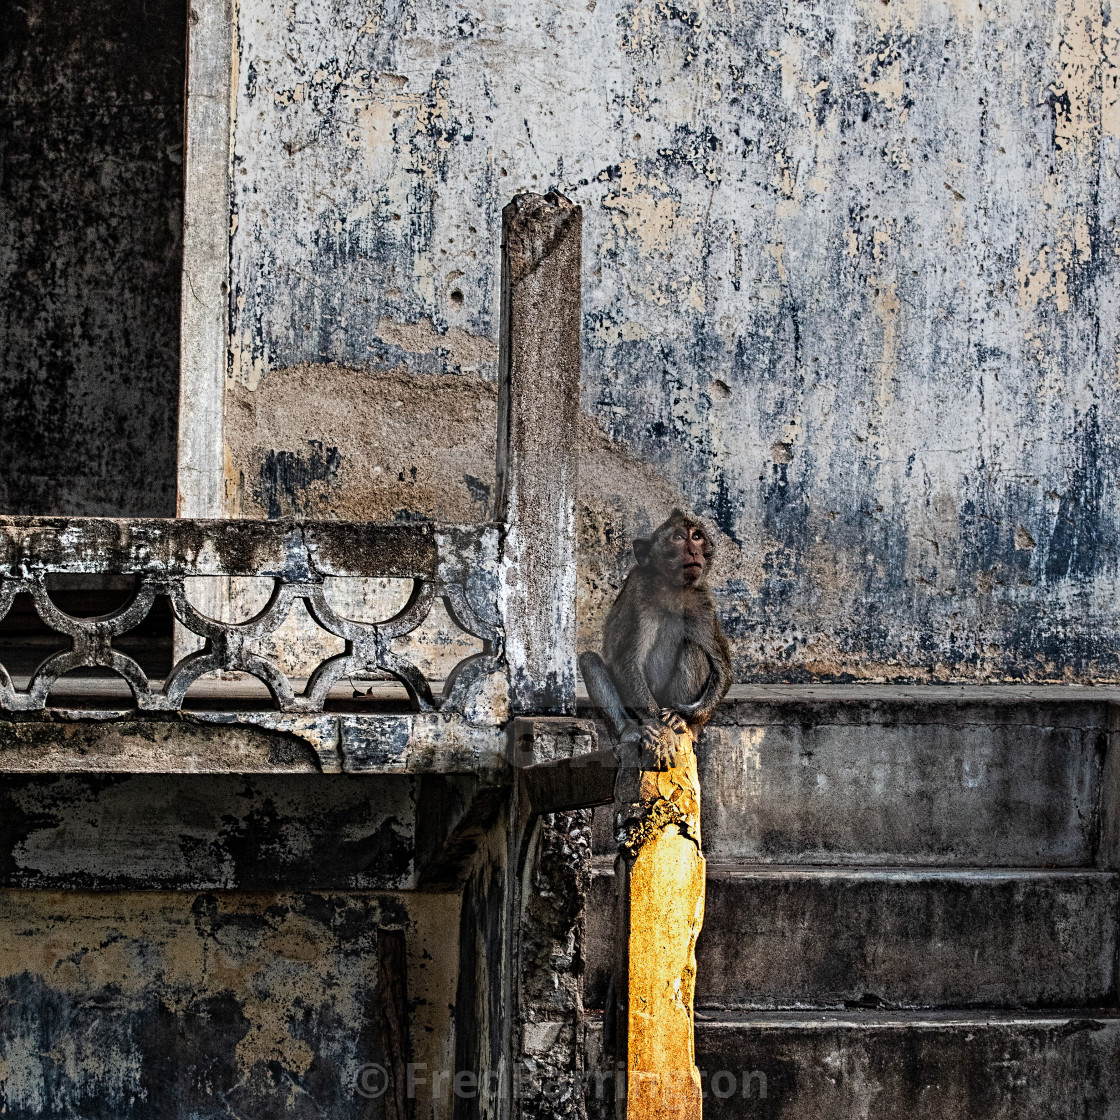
(837, 937)
(877, 1067)
(964, 784)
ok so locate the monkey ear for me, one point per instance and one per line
(641, 550)
(675, 514)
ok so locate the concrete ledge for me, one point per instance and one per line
(979, 785)
(1006, 693)
(217, 742)
(890, 1067)
(923, 1067)
(864, 692)
(795, 937)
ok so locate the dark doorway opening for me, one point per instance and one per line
(91, 198)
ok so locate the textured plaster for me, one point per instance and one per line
(157, 1004)
(849, 289)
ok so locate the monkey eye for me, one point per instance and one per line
(678, 536)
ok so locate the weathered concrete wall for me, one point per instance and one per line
(165, 1005)
(849, 290)
(169, 941)
(91, 165)
(207, 832)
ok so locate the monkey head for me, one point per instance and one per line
(679, 551)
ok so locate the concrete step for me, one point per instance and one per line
(904, 1066)
(790, 937)
(956, 782)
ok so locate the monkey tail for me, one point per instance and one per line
(603, 692)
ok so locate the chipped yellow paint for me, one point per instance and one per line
(957, 227)
(1077, 44)
(267, 1040)
(641, 210)
(789, 59)
(246, 368)
(785, 178)
(1081, 238)
(1110, 77)
(887, 306)
(819, 183)
(897, 155)
(616, 99)
(967, 10)
(881, 242)
(630, 331)
(373, 134)
(778, 253)
(889, 87)
(888, 16)
(908, 15)
(80, 944)
(1050, 276)
(1033, 278)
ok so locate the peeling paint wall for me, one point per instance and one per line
(155, 1004)
(849, 290)
(91, 198)
(172, 945)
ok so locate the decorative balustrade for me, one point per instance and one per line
(455, 564)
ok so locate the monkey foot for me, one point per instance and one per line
(674, 721)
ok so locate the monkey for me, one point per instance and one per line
(666, 654)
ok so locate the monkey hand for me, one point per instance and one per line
(674, 721)
(661, 742)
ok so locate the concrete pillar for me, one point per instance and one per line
(660, 875)
(204, 307)
(204, 317)
(538, 413)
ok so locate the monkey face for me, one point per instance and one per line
(691, 554)
(679, 549)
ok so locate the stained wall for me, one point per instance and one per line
(849, 291)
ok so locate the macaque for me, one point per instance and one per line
(662, 642)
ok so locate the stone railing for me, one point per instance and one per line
(455, 564)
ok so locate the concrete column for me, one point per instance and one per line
(204, 303)
(538, 412)
(204, 315)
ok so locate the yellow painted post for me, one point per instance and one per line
(660, 876)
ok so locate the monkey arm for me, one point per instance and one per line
(604, 695)
(628, 637)
(700, 711)
(635, 690)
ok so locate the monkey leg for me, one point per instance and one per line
(657, 740)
